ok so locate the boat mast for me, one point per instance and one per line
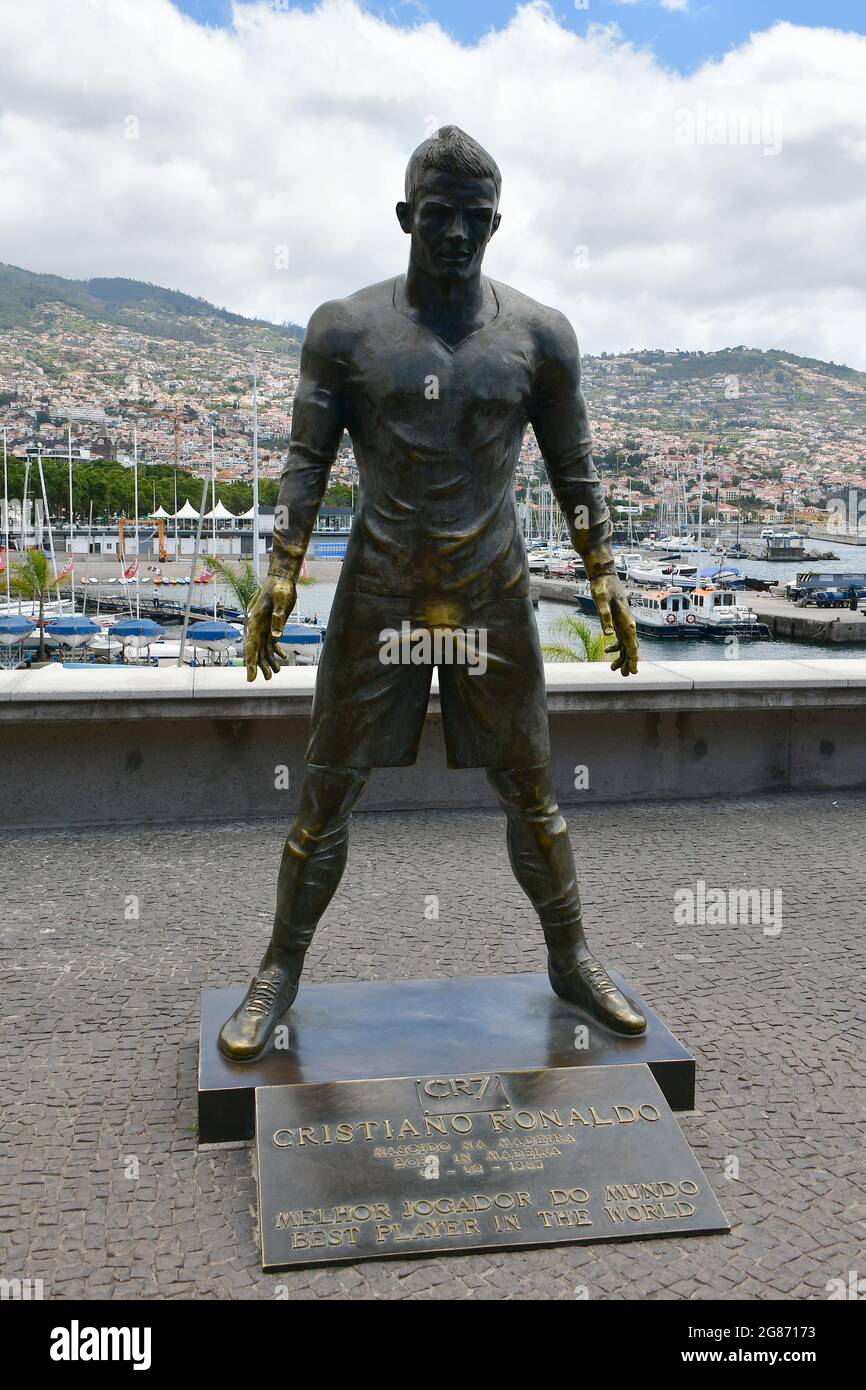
(71, 524)
(89, 553)
(185, 628)
(213, 507)
(50, 532)
(255, 464)
(700, 510)
(6, 523)
(137, 541)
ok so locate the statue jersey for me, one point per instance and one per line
(437, 432)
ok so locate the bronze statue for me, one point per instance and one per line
(435, 375)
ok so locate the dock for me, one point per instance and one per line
(557, 590)
(827, 626)
(150, 605)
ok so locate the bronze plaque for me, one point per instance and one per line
(355, 1170)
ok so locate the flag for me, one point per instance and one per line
(2, 559)
(131, 570)
(67, 569)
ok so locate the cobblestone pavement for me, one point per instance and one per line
(100, 1017)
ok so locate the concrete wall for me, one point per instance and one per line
(101, 744)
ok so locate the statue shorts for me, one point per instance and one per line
(375, 674)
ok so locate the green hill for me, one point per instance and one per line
(740, 361)
(142, 308)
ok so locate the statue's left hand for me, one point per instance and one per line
(613, 610)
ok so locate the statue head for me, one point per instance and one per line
(452, 197)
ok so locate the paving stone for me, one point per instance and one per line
(100, 1024)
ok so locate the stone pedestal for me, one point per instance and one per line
(409, 1028)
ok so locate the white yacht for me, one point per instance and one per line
(677, 545)
(670, 573)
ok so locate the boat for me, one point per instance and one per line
(724, 576)
(782, 545)
(663, 613)
(626, 561)
(719, 613)
(136, 633)
(769, 532)
(72, 631)
(304, 639)
(15, 629)
(672, 574)
(679, 545)
(215, 636)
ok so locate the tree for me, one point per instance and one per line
(243, 582)
(579, 642)
(338, 495)
(30, 578)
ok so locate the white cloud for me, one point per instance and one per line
(294, 128)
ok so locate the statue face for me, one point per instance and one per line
(451, 221)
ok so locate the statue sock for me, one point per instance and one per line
(313, 861)
(543, 864)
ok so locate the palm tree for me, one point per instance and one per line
(30, 578)
(579, 643)
(244, 583)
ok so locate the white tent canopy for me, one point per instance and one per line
(219, 513)
(247, 516)
(187, 512)
(160, 514)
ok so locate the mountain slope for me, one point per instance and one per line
(27, 299)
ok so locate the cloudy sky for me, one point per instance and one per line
(677, 173)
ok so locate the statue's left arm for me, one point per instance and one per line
(558, 416)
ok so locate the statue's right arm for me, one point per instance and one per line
(318, 421)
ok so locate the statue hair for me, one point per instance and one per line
(451, 151)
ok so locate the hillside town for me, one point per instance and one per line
(782, 436)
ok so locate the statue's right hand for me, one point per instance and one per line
(268, 616)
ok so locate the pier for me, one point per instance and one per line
(557, 590)
(826, 626)
(150, 606)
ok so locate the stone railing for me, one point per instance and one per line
(124, 744)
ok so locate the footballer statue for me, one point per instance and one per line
(435, 375)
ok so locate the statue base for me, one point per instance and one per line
(399, 1028)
